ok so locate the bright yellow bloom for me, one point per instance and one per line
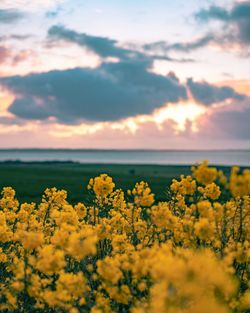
(204, 174)
(211, 191)
(102, 185)
(142, 195)
(126, 252)
(81, 210)
(186, 186)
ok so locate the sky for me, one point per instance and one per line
(127, 74)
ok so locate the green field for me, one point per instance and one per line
(30, 180)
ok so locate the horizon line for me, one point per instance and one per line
(124, 150)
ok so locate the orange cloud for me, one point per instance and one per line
(5, 100)
(241, 86)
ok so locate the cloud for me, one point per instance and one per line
(52, 14)
(234, 124)
(208, 94)
(106, 47)
(21, 56)
(14, 37)
(4, 54)
(55, 12)
(102, 46)
(110, 92)
(147, 136)
(237, 20)
(8, 56)
(229, 123)
(214, 12)
(10, 16)
(28, 4)
(235, 31)
(162, 46)
(6, 120)
(240, 10)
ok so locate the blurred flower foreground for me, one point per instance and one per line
(123, 252)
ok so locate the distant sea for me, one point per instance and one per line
(164, 157)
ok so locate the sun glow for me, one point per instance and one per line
(5, 100)
(180, 114)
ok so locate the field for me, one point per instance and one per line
(31, 179)
(181, 247)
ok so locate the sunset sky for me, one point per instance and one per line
(156, 74)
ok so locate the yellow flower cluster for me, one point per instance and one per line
(204, 174)
(240, 183)
(186, 186)
(126, 252)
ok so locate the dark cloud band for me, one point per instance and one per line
(238, 18)
(110, 92)
(209, 94)
(10, 16)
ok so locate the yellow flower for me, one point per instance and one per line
(188, 254)
(50, 260)
(102, 185)
(3, 256)
(204, 174)
(109, 269)
(186, 186)
(83, 243)
(204, 229)
(142, 194)
(30, 239)
(163, 217)
(245, 301)
(81, 210)
(120, 243)
(239, 183)
(211, 191)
